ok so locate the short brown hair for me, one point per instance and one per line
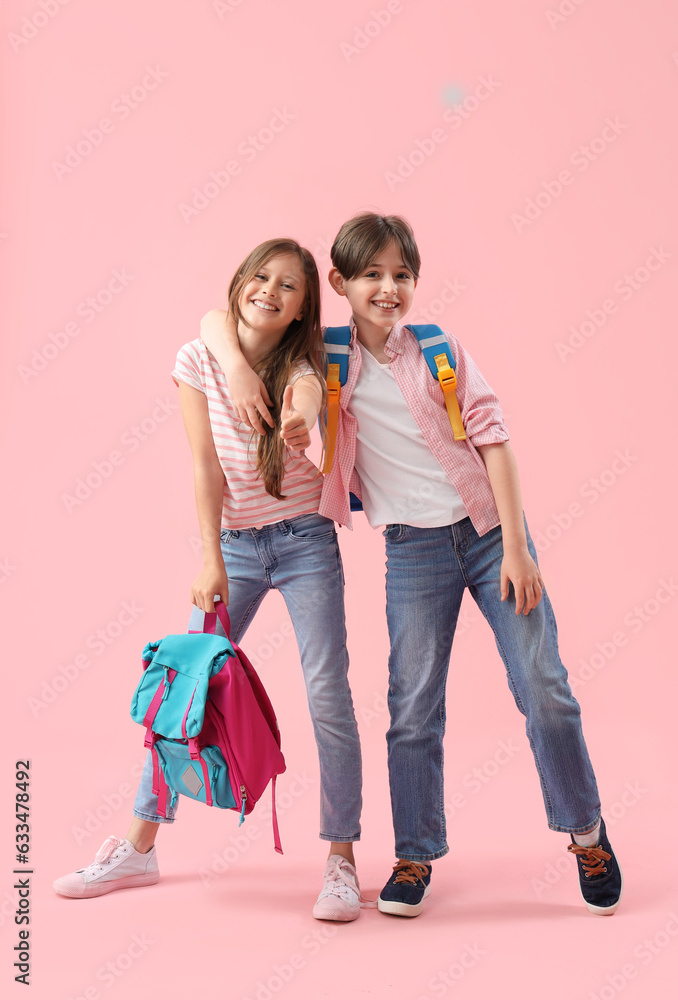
(363, 237)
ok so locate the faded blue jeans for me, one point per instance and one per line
(426, 574)
(301, 559)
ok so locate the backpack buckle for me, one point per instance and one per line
(332, 379)
(446, 375)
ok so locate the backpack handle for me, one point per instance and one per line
(210, 623)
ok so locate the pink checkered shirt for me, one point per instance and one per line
(480, 412)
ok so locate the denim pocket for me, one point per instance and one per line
(311, 527)
(226, 535)
(394, 532)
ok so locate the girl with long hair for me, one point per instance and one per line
(257, 505)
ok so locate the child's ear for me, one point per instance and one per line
(336, 281)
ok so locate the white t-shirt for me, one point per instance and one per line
(402, 481)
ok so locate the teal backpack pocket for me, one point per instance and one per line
(172, 692)
(186, 776)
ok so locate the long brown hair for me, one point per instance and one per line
(302, 342)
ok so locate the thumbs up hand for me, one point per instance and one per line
(293, 429)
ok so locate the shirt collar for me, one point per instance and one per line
(394, 343)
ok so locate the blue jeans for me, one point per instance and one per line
(427, 571)
(301, 559)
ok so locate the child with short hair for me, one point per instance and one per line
(465, 529)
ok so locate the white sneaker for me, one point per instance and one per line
(117, 865)
(340, 895)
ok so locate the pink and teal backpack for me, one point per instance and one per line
(210, 725)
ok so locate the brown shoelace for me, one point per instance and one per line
(410, 871)
(595, 856)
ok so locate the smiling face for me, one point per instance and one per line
(274, 295)
(381, 294)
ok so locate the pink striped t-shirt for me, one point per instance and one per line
(246, 502)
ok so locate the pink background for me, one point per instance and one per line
(354, 102)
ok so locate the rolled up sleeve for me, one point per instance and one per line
(481, 413)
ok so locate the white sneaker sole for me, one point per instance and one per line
(323, 911)
(605, 911)
(403, 909)
(89, 889)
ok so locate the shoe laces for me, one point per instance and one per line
(410, 871)
(336, 883)
(103, 856)
(593, 862)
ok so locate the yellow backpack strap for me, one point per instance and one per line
(333, 394)
(448, 383)
(440, 360)
(337, 341)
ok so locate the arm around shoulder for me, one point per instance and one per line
(248, 393)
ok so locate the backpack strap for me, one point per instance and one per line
(440, 360)
(210, 623)
(337, 341)
(159, 696)
(274, 819)
(161, 790)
